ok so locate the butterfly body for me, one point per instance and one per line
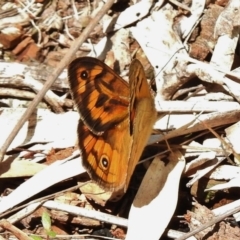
(116, 119)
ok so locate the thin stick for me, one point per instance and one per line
(14, 230)
(208, 224)
(65, 61)
(183, 6)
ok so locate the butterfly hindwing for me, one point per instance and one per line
(104, 156)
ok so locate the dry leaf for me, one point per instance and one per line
(156, 198)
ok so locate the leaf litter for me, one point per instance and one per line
(190, 54)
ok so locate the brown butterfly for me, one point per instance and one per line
(116, 119)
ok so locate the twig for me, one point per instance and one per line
(183, 6)
(38, 200)
(75, 15)
(23, 213)
(79, 211)
(208, 224)
(39, 32)
(65, 61)
(28, 81)
(17, 232)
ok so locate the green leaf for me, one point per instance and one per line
(35, 237)
(51, 234)
(46, 221)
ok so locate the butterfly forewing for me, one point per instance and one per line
(101, 96)
(142, 114)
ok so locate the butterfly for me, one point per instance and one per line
(116, 119)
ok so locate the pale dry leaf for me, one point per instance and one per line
(36, 153)
(94, 192)
(195, 123)
(158, 190)
(194, 149)
(200, 160)
(129, 16)
(232, 135)
(10, 71)
(195, 106)
(53, 21)
(19, 103)
(173, 121)
(199, 216)
(120, 48)
(228, 19)
(21, 168)
(224, 52)
(210, 162)
(43, 126)
(20, 18)
(186, 24)
(212, 142)
(237, 216)
(202, 172)
(234, 182)
(227, 36)
(225, 172)
(232, 87)
(218, 97)
(227, 207)
(54, 173)
(209, 74)
(160, 43)
(100, 49)
(74, 199)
